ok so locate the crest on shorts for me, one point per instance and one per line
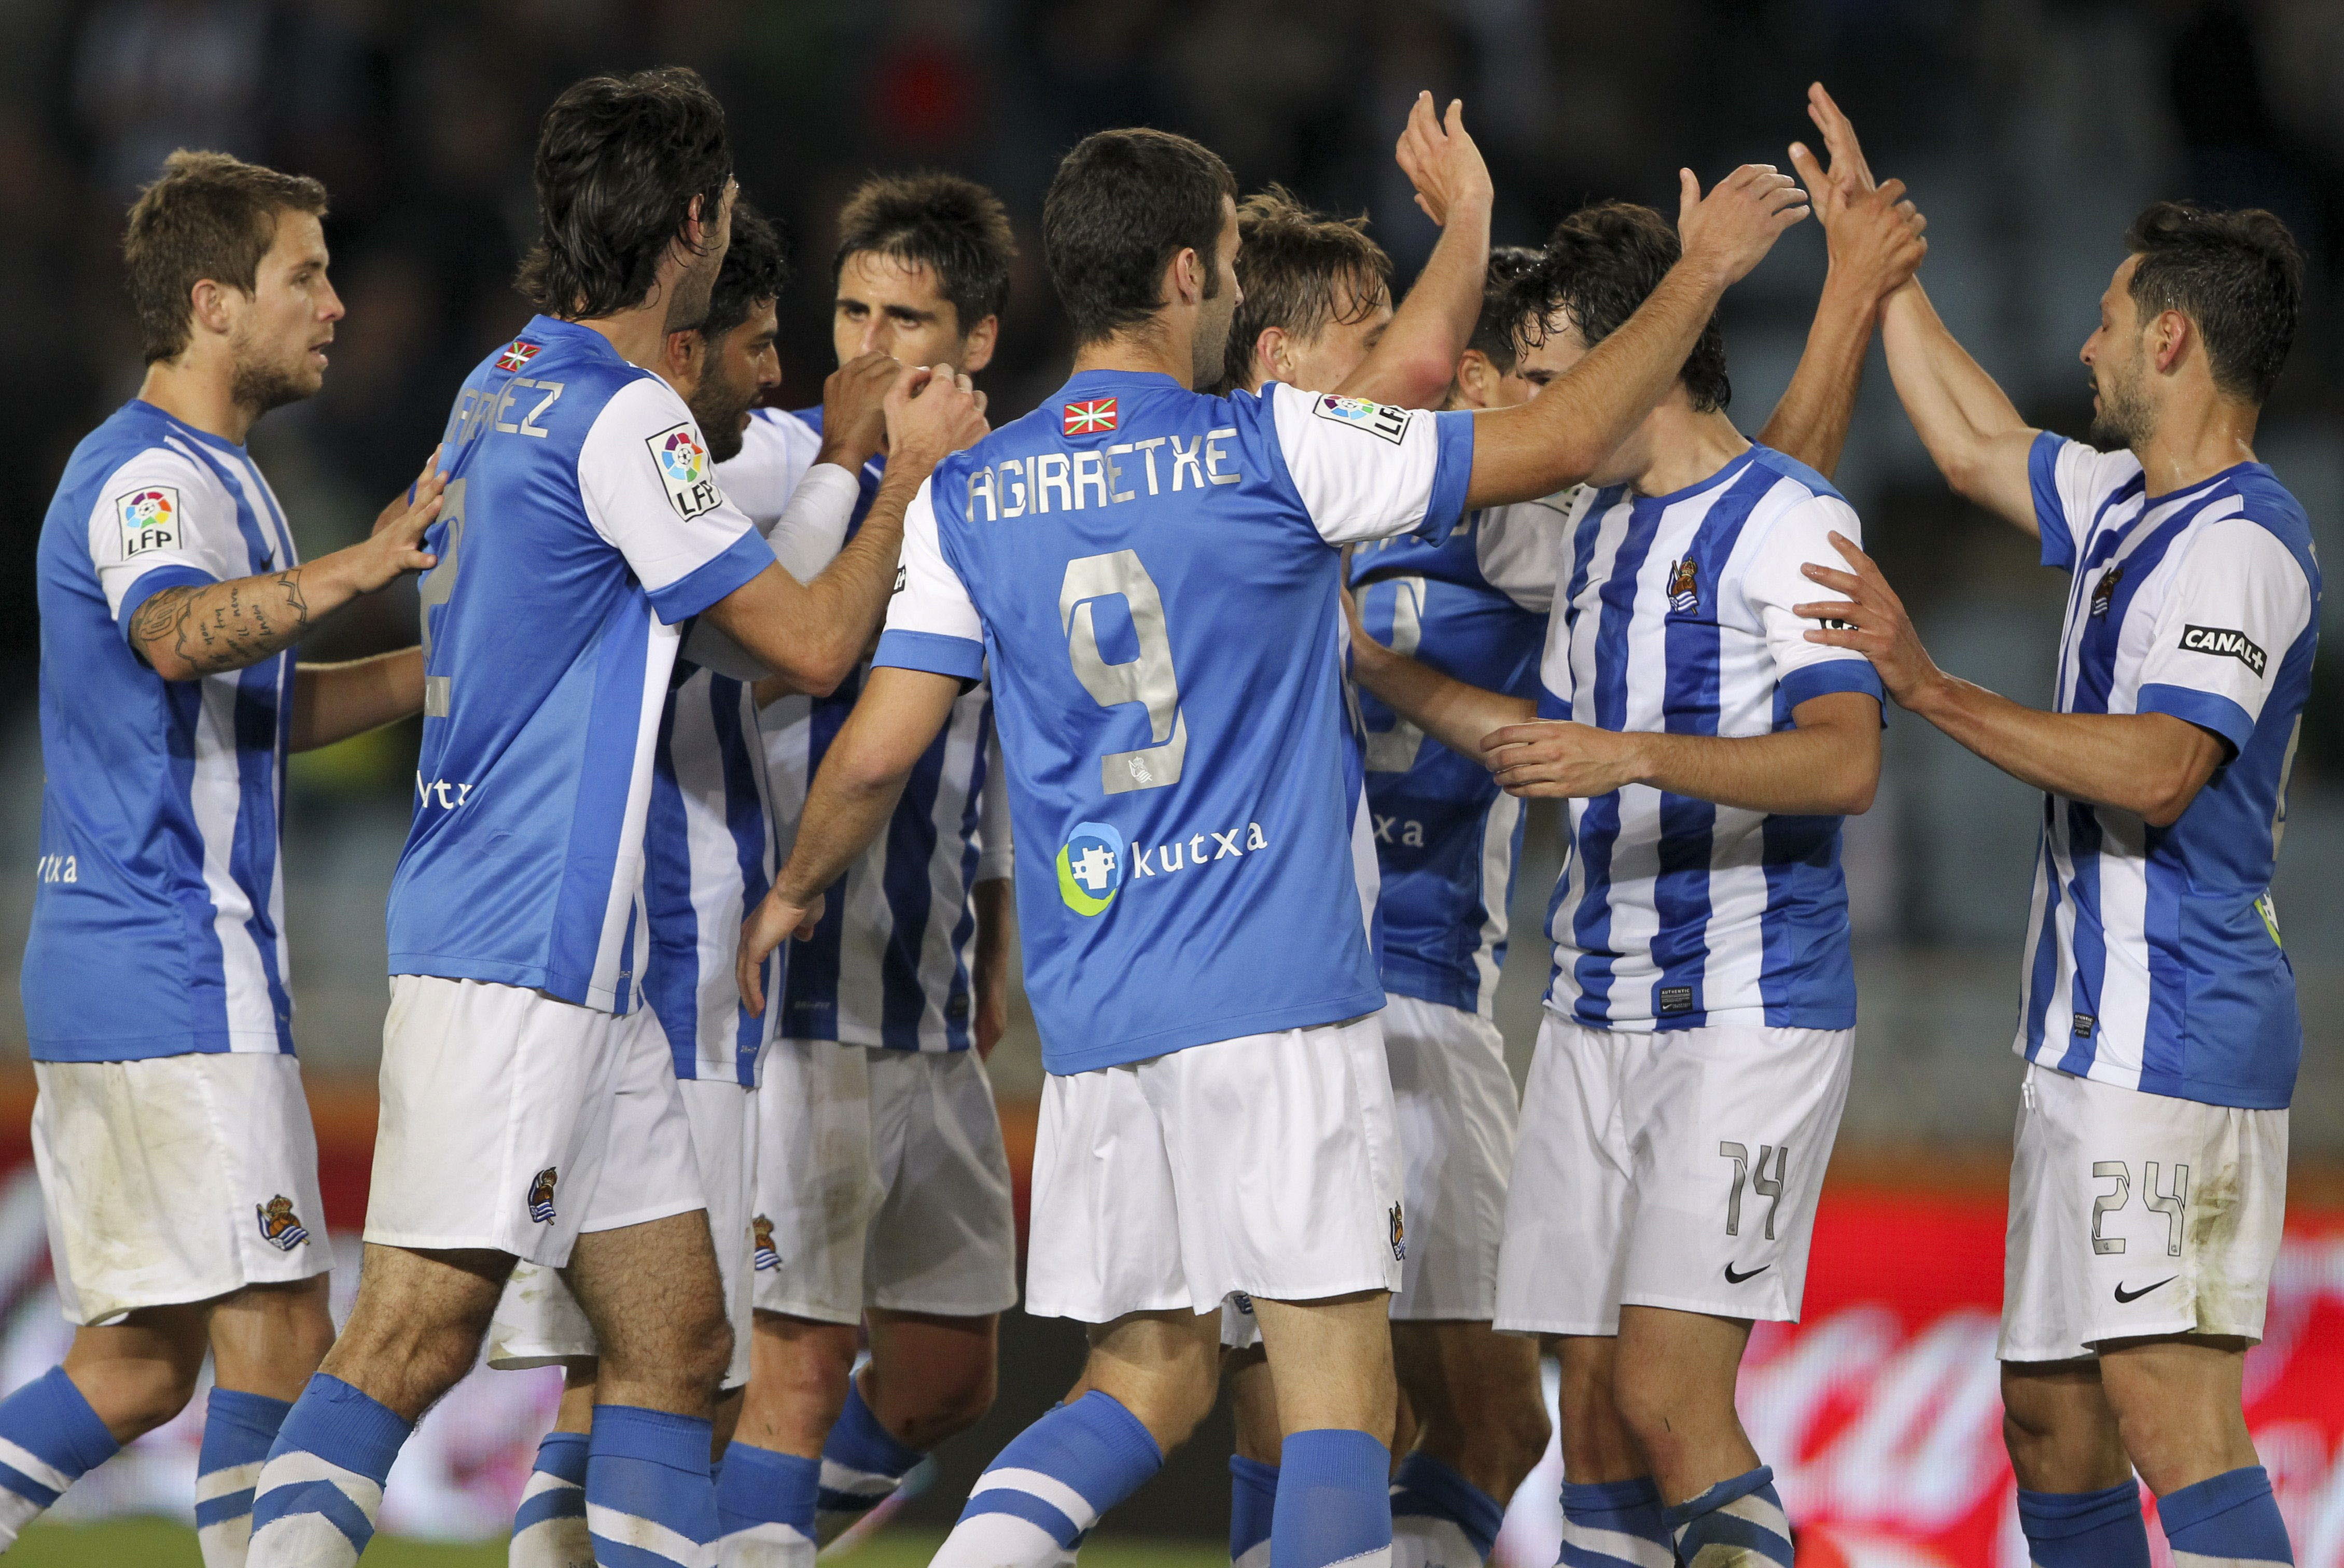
(764, 1254)
(1684, 587)
(279, 1226)
(2104, 592)
(1398, 1234)
(540, 1194)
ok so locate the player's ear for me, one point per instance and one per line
(211, 307)
(1474, 376)
(1185, 282)
(1271, 363)
(976, 348)
(2169, 335)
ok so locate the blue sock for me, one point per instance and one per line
(767, 1496)
(49, 1439)
(1253, 1502)
(321, 1489)
(1431, 1500)
(1050, 1485)
(1334, 1499)
(861, 1466)
(648, 1496)
(238, 1428)
(548, 1526)
(1616, 1524)
(2230, 1517)
(1742, 1514)
(2101, 1529)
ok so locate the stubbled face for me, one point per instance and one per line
(1210, 349)
(277, 335)
(1329, 360)
(735, 372)
(687, 308)
(888, 306)
(2117, 357)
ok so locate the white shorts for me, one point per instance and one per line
(2136, 1213)
(1674, 1169)
(501, 1110)
(882, 1183)
(1268, 1165)
(175, 1179)
(539, 1323)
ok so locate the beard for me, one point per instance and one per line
(261, 385)
(687, 310)
(1209, 351)
(721, 410)
(2124, 417)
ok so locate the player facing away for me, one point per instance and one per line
(883, 1193)
(1148, 574)
(707, 857)
(178, 1170)
(2157, 1009)
(1693, 1060)
(525, 1118)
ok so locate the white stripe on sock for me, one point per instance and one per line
(214, 1484)
(561, 1542)
(769, 1545)
(1618, 1543)
(1041, 1484)
(227, 1544)
(997, 1541)
(644, 1534)
(2201, 1559)
(296, 1465)
(16, 1510)
(1254, 1556)
(1718, 1555)
(1380, 1557)
(301, 1540)
(1757, 1510)
(837, 1477)
(1431, 1541)
(542, 1482)
(33, 1467)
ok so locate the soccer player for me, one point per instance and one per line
(1704, 998)
(884, 1192)
(525, 1114)
(1218, 1116)
(178, 1170)
(2158, 1012)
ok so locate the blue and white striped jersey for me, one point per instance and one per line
(1148, 576)
(1472, 605)
(2153, 956)
(888, 963)
(1674, 614)
(584, 525)
(158, 909)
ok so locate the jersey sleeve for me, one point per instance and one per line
(932, 624)
(996, 855)
(1370, 470)
(1772, 583)
(776, 451)
(1520, 547)
(651, 492)
(2070, 482)
(158, 524)
(2236, 605)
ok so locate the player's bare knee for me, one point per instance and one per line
(949, 1407)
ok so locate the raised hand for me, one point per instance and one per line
(854, 409)
(1730, 230)
(932, 413)
(1873, 233)
(1441, 161)
(395, 545)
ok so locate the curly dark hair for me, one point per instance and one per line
(1601, 263)
(756, 269)
(2238, 274)
(1511, 301)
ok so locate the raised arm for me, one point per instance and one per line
(812, 634)
(898, 716)
(187, 632)
(1412, 364)
(1558, 437)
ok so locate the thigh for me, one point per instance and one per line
(1457, 1114)
(268, 1339)
(944, 1238)
(646, 1287)
(1459, 1374)
(816, 1184)
(1729, 1131)
(1331, 1362)
(1105, 1238)
(723, 1117)
(1559, 1265)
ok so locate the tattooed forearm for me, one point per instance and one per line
(187, 632)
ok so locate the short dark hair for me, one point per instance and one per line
(756, 269)
(1601, 263)
(619, 161)
(955, 228)
(207, 216)
(1122, 205)
(1301, 271)
(1508, 308)
(2238, 274)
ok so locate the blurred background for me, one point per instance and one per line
(2028, 130)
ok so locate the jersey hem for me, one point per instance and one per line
(2165, 1086)
(1425, 985)
(931, 653)
(155, 1047)
(735, 567)
(1163, 1043)
(1753, 1017)
(147, 584)
(2206, 709)
(1828, 676)
(572, 989)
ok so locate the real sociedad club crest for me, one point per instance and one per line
(2104, 592)
(540, 1194)
(1090, 417)
(1090, 867)
(279, 1226)
(1684, 587)
(764, 1255)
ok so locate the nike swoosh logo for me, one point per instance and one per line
(1733, 1278)
(2126, 1298)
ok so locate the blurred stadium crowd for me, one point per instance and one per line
(2017, 124)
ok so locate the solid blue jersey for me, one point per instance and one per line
(1472, 605)
(158, 903)
(1148, 576)
(1675, 615)
(583, 524)
(2153, 955)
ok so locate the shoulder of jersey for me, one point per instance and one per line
(1783, 465)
